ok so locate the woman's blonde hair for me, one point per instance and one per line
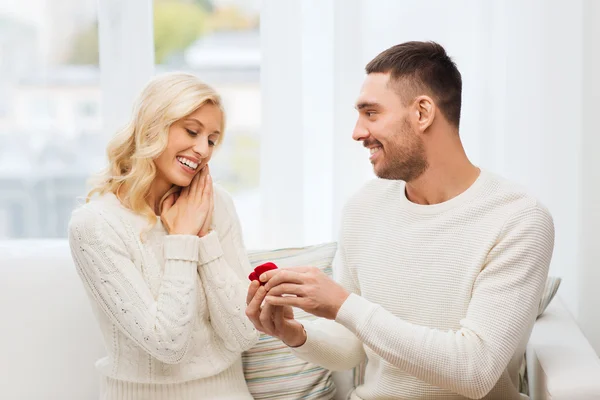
(131, 152)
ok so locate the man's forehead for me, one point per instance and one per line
(374, 88)
(376, 81)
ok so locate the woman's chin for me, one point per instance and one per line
(182, 181)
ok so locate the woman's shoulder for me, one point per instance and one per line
(224, 208)
(96, 213)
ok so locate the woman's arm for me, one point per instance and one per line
(162, 326)
(223, 264)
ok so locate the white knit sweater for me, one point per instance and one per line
(444, 296)
(171, 308)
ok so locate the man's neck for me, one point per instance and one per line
(442, 181)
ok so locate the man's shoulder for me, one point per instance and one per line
(516, 201)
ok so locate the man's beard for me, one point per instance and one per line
(401, 161)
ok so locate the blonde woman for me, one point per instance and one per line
(160, 252)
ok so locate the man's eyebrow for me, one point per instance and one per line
(365, 104)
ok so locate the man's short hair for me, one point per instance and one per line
(422, 68)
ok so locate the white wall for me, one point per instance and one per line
(589, 178)
(542, 121)
(529, 101)
(310, 76)
(125, 34)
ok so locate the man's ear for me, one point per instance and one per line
(424, 112)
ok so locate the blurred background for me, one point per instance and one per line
(289, 72)
(51, 101)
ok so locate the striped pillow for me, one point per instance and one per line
(270, 368)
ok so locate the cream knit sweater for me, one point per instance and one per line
(444, 296)
(171, 308)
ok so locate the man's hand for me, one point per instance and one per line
(312, 290)
(277, 321)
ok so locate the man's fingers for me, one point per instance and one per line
(286, 288)
(278, 276)
(300, 269)
(298, 302)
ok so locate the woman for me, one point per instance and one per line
(160, 253)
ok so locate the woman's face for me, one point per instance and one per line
(191, 143)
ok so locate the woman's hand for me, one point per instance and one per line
(277, 321)
(205, 230)
(188, 214)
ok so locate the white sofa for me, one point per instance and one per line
(49, 339)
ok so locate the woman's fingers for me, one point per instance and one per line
(194, 185)
(168, 203)
(267, 319)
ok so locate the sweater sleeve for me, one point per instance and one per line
(469, 361)
(162, 326)
(225, 289)
(328, 343)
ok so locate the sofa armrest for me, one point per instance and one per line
(561, 363)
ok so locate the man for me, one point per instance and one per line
(441, 265)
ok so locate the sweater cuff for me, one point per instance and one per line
(209, 249)
(181, 247)
(311, 340)
(355, 312)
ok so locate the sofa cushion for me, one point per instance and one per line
(270, 368)
(50, 339)
(552, 284)
(550, 290)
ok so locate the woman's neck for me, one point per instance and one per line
(158, 189)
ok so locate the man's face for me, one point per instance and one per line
(384, 126)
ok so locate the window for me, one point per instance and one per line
(49, 80)
(53, 87)
(87, 109)
(222, 49)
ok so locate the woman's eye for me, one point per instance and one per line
(211, 143)
(192, 133)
